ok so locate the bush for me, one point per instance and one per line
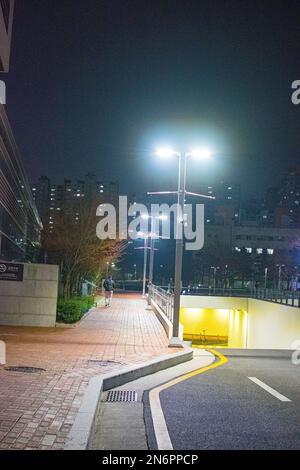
(71, 311)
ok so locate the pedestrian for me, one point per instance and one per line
(108, 285)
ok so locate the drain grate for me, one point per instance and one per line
(121, 395)
(27, 370)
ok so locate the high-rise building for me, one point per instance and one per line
(6, 20)
(289, 194)
(53, 200)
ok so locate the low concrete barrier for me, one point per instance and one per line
(168, 327)
(31, 301)
(83, 427)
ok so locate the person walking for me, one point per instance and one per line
(108, 285)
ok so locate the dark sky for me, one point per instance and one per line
(96, 85)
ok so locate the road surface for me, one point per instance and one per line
(247, 403)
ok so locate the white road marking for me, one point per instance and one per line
(269, 389)
(159, 423)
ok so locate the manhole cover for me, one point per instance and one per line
(103, 363)
(27, 370)
(121, 395)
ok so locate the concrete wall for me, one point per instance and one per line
(33, 301)
(272, 326)
(209, 301)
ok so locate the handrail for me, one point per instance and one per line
(164, 299)
(285, 297)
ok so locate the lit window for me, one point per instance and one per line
(270, 251)
(237, 249)
(259, 251)
(249, 250)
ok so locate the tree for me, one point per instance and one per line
(73, 245)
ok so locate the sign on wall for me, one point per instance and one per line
(11, 272)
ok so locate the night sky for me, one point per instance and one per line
(95, 86)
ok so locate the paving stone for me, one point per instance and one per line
(39, 409)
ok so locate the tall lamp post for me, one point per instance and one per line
(145, 236)
(153, 235)
(199, 154)
(280, 266)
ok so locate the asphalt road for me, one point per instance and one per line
(223, 409)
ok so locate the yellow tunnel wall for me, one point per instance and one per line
(238, 324)
(216, 322)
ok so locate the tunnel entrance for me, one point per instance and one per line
(214, 327)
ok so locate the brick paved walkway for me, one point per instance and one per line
(37, 410)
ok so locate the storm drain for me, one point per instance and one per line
(27, 370)
(121, 396)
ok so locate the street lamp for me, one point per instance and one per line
(215, 268)
(201, 154)
(145, 236)
(153, 236)
(266, 277)
(280, 266)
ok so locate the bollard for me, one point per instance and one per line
(2, 353)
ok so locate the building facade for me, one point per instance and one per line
(6, 20)
(20, 224)
(52, 200)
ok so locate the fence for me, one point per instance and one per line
(164, 299)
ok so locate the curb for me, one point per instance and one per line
(83, 427)
(268, 353)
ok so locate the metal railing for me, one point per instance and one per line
(286, 297)
(217, 291)
(164, 299)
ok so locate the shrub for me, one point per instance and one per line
(71, 311)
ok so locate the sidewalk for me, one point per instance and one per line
(37, 410)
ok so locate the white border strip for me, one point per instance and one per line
(269, 389)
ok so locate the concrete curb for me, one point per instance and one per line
(268, 353)
(83, 427)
